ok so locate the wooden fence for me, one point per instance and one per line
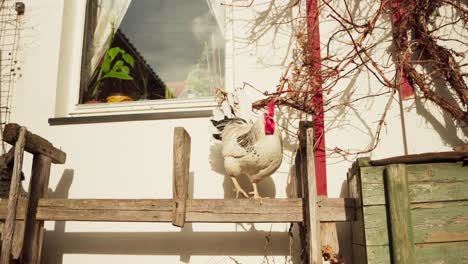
(23, 229)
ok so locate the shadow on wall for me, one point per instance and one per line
(446, 129)
(50, 245)
(185, 243)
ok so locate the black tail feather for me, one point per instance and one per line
(218, 136)
(221, 124)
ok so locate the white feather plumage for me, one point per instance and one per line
(246, 148)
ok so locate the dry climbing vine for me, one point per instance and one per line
(418, 52)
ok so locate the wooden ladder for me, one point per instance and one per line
(23, 232)
(305, 207)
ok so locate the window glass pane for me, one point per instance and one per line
(152, 49)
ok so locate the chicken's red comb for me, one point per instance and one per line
(271, 108)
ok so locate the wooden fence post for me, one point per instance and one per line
(401, 231)
(313, 252)
(180, 175)
(9, 226)
(37, 189)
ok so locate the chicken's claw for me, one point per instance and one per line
(238, 189)
(255, 193)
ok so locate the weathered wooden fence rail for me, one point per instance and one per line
(197, 210)
(305, 208)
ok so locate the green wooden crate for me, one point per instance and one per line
(437, 210)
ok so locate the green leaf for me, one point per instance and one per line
(110, 56)
(113, 52)
(118, 75)
(118, 66)
(129, 59)
(126, 70)
(106, 65)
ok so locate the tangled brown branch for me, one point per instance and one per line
(424, 44)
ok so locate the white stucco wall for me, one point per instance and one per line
(133, 159)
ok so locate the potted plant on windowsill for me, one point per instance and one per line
(116, 65)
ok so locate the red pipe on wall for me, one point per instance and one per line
(318, 118)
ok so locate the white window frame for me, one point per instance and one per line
(68, 83)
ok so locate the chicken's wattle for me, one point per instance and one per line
(269, 126)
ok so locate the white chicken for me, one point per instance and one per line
(254, 150)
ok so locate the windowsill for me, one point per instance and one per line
(137, 111)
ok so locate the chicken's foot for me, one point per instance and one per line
(255, 191)
(237, 188)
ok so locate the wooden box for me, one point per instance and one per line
(432, 196)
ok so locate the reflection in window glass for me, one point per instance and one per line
(152, 49)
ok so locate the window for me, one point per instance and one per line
(151, 50)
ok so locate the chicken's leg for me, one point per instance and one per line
(255, 191)
(237, 188)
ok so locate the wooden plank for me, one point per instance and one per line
(354, 189)
(399, 214)
(357, 228)
(432, 157)
(359, 254)
(428, 225)
(427, 183)
(354, 179)
(9, 227)
(438, 182)
(371, 254)
(18, 237)
(379, 255)
(297, 182)
(371, 186)
(34, 144)
(301, 171)
(298, 192)
(335, 209)
(440, 222)
(436, 253)
(181, 166)
(311, 218)
(37, 189)
(41, 241)
(375, 225)
(442, 253)
(160, 210)
(329, 237)
(198, 210)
